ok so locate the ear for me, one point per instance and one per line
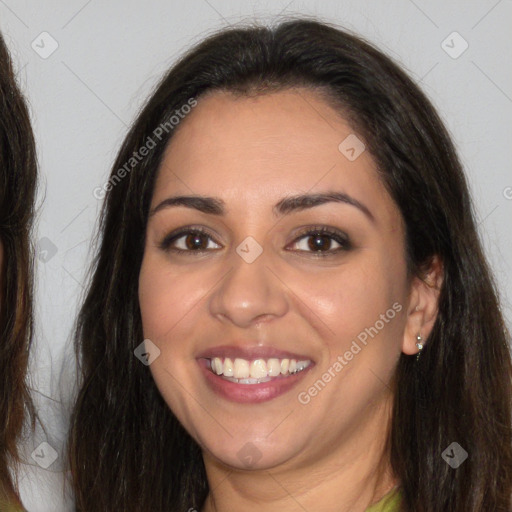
(423, 305)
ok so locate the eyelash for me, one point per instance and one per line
(335, 235)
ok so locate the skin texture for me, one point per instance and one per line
(327, 454)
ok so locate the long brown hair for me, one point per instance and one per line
(18, 173)
(128, 451)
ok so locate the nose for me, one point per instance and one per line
(249, 293)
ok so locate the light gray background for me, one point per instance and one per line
(110, 54)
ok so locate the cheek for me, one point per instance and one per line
(361, 306)
(351, 297)
(167, 300)
(167, 296)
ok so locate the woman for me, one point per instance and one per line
(290, 308)
(17, 190)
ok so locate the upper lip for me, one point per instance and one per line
(251, 353)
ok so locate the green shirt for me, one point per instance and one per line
(6, 507)
(389, 503)
(9, 508)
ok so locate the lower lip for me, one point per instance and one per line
(250, 393)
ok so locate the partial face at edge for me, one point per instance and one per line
(252, 153)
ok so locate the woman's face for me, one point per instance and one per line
(255, 291)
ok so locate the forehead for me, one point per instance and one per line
(253, 151)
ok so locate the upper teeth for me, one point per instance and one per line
(256, 369)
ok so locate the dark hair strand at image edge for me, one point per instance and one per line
(18, 178)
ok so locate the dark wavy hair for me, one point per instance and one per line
(18, 177)
(128, 451)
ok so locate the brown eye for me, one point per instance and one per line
(319, 241)
(189, 240)
(195, 241)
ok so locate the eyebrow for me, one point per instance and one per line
(216, 206)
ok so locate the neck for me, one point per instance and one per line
(347, 478)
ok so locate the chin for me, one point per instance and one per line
(241, 453)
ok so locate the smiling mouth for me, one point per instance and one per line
(256, 371)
